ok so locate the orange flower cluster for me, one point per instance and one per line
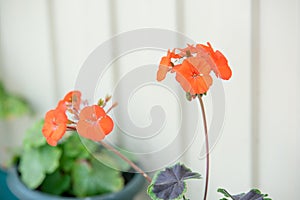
(91, 122)
(196, 63)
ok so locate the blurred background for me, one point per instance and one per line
(43, 44)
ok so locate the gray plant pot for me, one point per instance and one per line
(23, 193)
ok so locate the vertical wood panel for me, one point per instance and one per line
(144, 14)
(80, 26)
(25, 62)
(226, 24)
(280, 97)
(255, 91)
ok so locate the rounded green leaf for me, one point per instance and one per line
(92, 177)
(32, 171)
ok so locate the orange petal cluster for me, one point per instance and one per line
(56, 120)
(91, 122)
(193, 73)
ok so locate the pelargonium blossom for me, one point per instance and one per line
(55, 126)
(91, 122)
(193, 73)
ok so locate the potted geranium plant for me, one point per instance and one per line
(193, 66)
(69, 169)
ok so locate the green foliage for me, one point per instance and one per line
(56, 183)
(69, 168)
(33, 136)
(35, 163)
(111, 159)
(92, 177)
(11, 105)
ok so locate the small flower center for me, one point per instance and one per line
(195, 75)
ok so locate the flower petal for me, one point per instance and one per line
(106, 124)
(54, 126)
(220, 67)
(162, 72)
(223, 69)
(73, 98)
(89, 131)
(201, 64)
(166, 65)
(93, 123)
(191, 80)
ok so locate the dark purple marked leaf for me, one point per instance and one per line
(253, 194)
(170, 183)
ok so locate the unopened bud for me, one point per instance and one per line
(107, 98)
(188, 96)
(101, 102)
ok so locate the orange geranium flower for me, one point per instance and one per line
(193, 72)
(55, 126)
(166, 65)
(220, 67)
(94, 123)
(193, 79)
(73, 99)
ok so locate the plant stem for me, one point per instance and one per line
(206, 146)
(134, 166)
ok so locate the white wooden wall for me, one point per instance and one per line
(44, 43)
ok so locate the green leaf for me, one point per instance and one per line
(66, 162)
(112, 160)
(34, 136)
(74, 146)
(71, 145)
(32, 172)
(11, 105)
(92, 178)
(36, 162)
(16, 106)
(56, 183)
(49, 158)
(89, 145)
(224, 192)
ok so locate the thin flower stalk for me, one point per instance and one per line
(206, 146)
(119, 154)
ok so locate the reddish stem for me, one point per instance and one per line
(115, 151)
(134, 166)
(206, 147)
(71, 128)
(113, 106)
